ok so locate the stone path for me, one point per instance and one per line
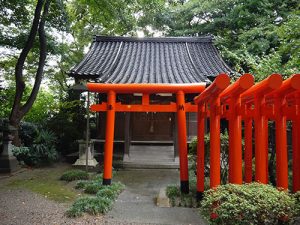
(137, 203)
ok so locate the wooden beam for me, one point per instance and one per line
(143, 108)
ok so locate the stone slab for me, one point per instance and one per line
(162, 199)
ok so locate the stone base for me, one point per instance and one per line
(82, 162)
(8, 164)
(162, 199)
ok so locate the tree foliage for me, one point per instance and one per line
(250, 33)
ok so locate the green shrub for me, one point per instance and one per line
(89, 205)
(117, 187)
(92, 188)
(21, 153)
(98, 178)
(28, 133)
(68, 122)
(297, 203)
(107, 192)
(75, 175)
(247, 204)
(224, 140)
(81, 184)
(41, 151)
(105, 197)
(111, 191)
(173, 193)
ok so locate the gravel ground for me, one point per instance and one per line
(22, 207)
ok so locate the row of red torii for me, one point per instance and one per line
(270, 99)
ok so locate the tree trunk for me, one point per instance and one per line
(18, 110)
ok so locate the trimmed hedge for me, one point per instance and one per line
(253, 203)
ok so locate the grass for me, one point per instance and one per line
(92, 188)
(184, 200)
(74, 175)
(50, 189)
(45, 182)
(90, 205)
(101, 201)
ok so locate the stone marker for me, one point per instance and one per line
(162, 199)
(82, 155)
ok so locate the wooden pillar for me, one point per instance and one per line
(200, 152)
(175, 136)
(127, 134)
(235, 143)
(261, 148)
(109, 138)
(281, 145)
(248, 150)
(296, 147)
(182, 142)
(215, 167)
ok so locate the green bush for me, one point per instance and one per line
(21, 153)
(68, 123)
(92, 188)
(89, 205)
(297, 203)
(179, 199)
(105, 197)
(42, 151)
(28, 133)
(247, 204)
(224, 139)
(81, 184)
(75, 175)
(107, 192)
(173, 191)
(117, 187)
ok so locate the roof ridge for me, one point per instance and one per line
(203, 39)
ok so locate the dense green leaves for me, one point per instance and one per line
(40, 151)
(259, 30)
(248, 204)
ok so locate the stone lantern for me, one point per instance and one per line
(8, 162)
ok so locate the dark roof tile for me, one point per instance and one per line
(150, 60)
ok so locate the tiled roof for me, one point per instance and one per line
(150, 60)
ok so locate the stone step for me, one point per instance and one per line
(150, 165)
(151, 157)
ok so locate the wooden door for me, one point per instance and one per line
(152, 126)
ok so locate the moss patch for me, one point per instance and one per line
(53, 190)
(46, 182)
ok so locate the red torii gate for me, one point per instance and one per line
(270, 99)
(181, 107)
